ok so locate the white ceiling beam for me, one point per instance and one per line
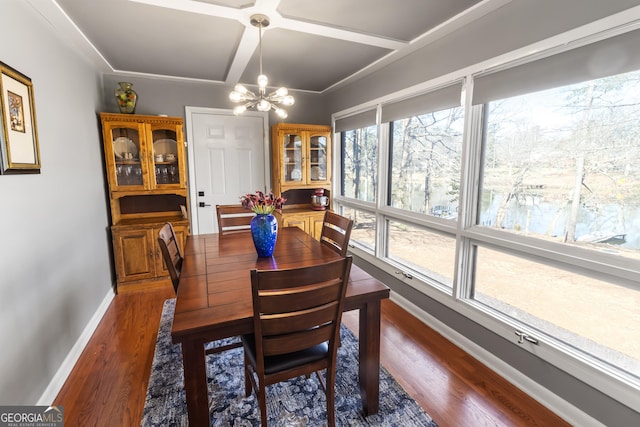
(339, 33)
(196, 7)
(247, 46)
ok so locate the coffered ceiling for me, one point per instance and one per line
(310, 45)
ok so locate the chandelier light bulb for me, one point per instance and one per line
(239, 110)
(262, 81)
(263, 105)
(236, 96)
(281, 113)
(282, 92)
(241, 89)
(288, 100)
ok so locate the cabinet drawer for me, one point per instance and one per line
(300, 221)
(308, 221)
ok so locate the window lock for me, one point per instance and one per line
(522, 337)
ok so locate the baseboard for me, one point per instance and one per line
(559, 406)
(58, 380)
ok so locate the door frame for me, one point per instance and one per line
(189, 111)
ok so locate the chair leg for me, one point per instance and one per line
(262, 399)
(330, 392)
(247, 379)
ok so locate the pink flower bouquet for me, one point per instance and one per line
(262, 203)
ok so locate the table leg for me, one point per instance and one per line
(369, 357)
(195, 383)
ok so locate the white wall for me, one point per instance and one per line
(54, 246)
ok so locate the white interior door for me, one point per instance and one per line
(228, 157)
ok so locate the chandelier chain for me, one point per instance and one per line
(260, 44)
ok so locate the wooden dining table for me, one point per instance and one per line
(214, 302)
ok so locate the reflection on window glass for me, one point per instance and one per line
(592, 315)
(359, 162)
(425, 158)
(432, 254)
(562, 164)
(364, 227)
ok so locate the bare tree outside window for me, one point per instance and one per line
(562, 164)
(426, 152)
(360, 163)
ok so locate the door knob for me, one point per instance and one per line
(203, 204)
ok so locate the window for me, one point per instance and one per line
(591, 315)
(359, 161)
(359, 155)
(423, 251)
(425, 162)
(545, 166)
(425, 154)
(560, 166)
(364, 228)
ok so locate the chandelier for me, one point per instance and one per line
(261, 101)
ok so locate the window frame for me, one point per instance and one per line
(468, 235)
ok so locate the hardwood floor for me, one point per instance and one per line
(108, 385)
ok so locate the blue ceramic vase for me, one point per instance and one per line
(264, 230)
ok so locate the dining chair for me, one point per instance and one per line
(171, 253)
(296, 324)
(336, 231)
(173, 260)
(233, 218)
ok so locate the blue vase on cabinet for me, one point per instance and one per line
(264, 230)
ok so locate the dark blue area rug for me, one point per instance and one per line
(298, 402)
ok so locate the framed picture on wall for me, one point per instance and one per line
(20, 152)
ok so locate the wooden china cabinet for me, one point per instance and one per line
(146, 171)
(301, 164)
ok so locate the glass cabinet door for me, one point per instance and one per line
(127, 156)
(317, 158)
(292, 159)
(164, 156)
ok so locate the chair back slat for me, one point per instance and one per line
(300, 298)
(171, 254)
(298, 320)
(284, 279)
(283, 344)
(233, 218)
(336, 232)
